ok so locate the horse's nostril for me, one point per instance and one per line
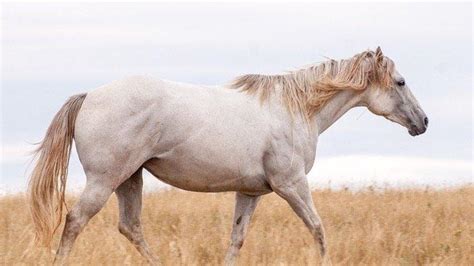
(426, 121)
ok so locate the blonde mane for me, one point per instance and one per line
(306, 91)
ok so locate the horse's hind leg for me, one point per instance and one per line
(244, 207)
(92, 199)
(129, 195)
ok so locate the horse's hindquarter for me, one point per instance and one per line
(195, 138)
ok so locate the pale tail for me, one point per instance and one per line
(48, 180)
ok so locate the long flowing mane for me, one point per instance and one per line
(307, 90)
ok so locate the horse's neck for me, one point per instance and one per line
(335, 108)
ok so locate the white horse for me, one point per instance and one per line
(255, 136)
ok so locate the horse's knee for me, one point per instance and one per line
(237, 243)
(70, 218)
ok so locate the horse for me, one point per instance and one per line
(253, 136)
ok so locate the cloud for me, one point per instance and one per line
(16, 153)
(102, 38)
(392, 171)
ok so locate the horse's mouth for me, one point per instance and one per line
(414, 131)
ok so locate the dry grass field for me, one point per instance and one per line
(183, 228)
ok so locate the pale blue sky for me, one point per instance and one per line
(51, 51)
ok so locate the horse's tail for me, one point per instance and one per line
(48, 179)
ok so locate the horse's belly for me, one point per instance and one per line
(206, 177)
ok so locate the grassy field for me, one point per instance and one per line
(367, 227)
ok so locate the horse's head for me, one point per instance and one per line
(392, 99)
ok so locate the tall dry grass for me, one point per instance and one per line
(368, 227)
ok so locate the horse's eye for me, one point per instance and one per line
(401, 83)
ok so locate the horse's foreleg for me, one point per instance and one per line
(244, 208)
(92, 199)
(129, 195)
(298, 196)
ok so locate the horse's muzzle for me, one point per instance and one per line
(415, 130)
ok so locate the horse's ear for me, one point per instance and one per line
(378, 52)
(378, 55)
